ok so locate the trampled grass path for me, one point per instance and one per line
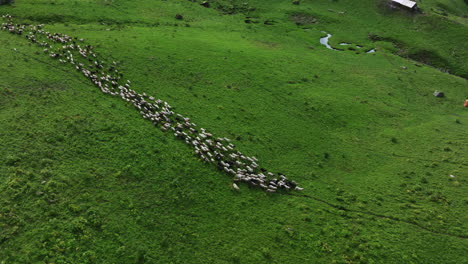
(392, 218)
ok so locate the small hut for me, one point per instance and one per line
(406, 4)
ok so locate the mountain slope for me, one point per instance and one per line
(84, 179)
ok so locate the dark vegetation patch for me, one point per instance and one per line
(227, 7)
(270, 22)
(422, 55)
(250, 20)
(430, 57)
(6, 2)
(6, 95)
(453, 8)
(445, 8)
(303, 19)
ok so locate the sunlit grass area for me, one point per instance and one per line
(383, 163)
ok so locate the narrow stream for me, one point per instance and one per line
(324, 41)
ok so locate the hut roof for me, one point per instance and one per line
(407, 3)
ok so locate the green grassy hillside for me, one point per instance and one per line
(84, 179)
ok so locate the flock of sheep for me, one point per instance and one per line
(218, 151)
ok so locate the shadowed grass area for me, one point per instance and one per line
(84, 179)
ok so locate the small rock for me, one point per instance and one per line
(296, 2)
(439, 94)
(205, 4)
(235, 187)
(179, 17)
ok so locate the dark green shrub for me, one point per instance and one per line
(5, 2)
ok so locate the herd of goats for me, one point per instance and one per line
(218, 151)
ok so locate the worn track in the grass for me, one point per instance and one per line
(430, 160)
(392, 218)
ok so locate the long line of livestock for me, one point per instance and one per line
(218, 151)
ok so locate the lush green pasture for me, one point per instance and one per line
(84, 179)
